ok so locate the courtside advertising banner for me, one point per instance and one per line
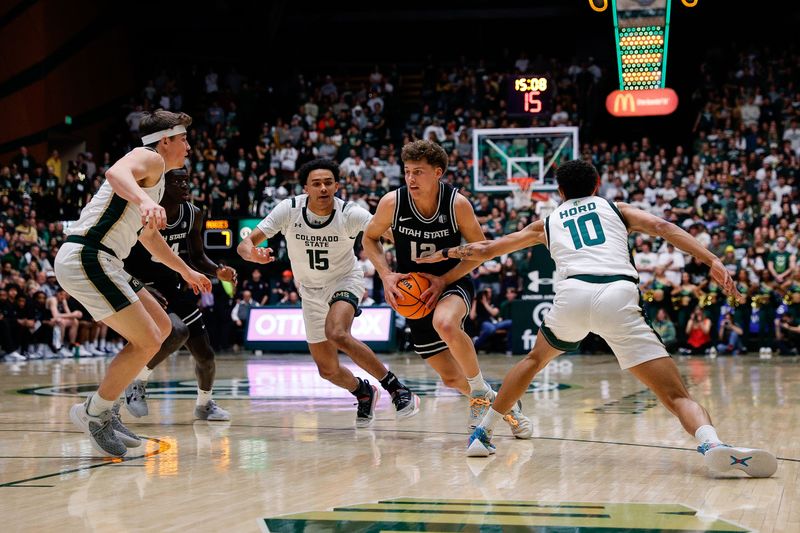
(283, 329)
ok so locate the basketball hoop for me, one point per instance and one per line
(521, 190)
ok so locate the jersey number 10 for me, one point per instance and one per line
(580, 231)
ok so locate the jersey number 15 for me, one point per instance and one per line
(317, 259)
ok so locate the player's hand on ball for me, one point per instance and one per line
(198, 282)
(390, 290)
(435, 257)
(431, 295)
(226, 273)
(153, 215)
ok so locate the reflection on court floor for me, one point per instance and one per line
(604, 454)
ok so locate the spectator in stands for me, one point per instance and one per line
(9, 343)
(486, 315)
(26, 231)
(698, 333)
(730, 335)
(258, 287)
(665, 329)
(646, 262)
(781, 263)
(240, 314)
(283, 288)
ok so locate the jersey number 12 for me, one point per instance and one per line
(425, 249)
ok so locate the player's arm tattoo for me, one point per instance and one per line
(459, 252)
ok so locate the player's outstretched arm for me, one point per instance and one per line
(248, 250)
(197, 254)
(643, 222)
(125, 176)
(154, 242)
(377, 227)
(481, 251)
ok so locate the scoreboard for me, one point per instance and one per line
(528, 94)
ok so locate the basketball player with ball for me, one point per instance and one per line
(425, 216)
(320, 229)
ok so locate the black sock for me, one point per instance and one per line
(391, 383)
(361, 390)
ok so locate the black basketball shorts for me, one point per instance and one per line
(425, 339)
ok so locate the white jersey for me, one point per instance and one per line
(320, 248)
(112, 221)
(588, 237)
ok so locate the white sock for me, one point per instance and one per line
(489, 421)
(102, 343)
(203, 396)
(707, 434)
(144, 374)
(97, 405)
(478, 384)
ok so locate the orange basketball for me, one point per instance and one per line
(409, 305)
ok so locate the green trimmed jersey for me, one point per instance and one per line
(588, 236)
(111, 220)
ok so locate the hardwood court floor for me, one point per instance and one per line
(604, 453)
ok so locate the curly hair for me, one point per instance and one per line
(318, 164)
(576, 178)
(427, 151)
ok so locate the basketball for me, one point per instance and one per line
(409, 305)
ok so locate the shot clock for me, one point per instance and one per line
(528, 94)
(218, 235)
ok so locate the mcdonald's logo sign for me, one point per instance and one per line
(644, 103)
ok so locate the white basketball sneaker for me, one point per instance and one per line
(722, 457)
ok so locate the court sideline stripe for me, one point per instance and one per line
(427, 432)
(106, 462)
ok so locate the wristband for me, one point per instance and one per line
(444, 253)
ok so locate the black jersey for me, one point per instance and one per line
(416, 236)
(145, 267)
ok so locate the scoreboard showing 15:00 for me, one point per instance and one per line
(528, 94)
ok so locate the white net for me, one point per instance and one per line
(521, 192)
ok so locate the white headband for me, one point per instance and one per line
(157, 136)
